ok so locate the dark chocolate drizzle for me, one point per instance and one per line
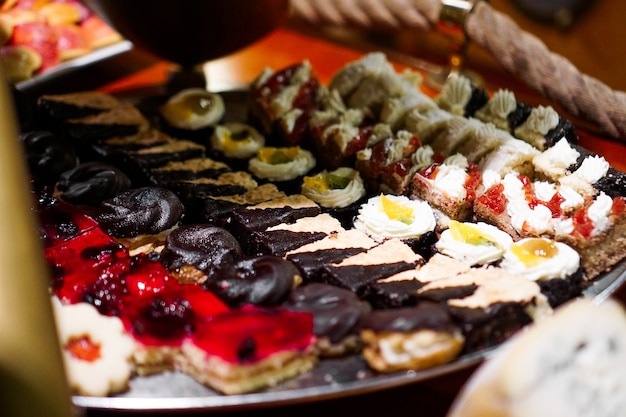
(425, 315)
(203, 246)
(612, 184)
(311, 263)
(477, 100)
(92, 182)
(261, 281)
(147, 210)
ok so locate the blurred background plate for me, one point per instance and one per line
(72, 65)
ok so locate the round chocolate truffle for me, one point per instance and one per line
(92, 182)
(203, 247)
(337, 312)
(48, 155)
(147, 210)
(262, 281)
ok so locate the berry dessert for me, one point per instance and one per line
(253, 349)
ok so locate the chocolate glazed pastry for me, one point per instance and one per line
(261, 281)
(198, 250)
(426, 315)
(147, 210)
(48, 155)
(92, 182)
(337, 316)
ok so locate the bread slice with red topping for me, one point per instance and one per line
(385, 165)
(593, 225)
(282, 102)
(450, 187)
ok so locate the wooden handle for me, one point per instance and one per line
(32, 378)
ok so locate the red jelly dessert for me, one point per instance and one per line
(126, 282)
(77, 264)
(250, 348)
(168, 317)
(60, 221)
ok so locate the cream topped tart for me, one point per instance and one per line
(541, 259)
(334, 189)
(555, 266)
(193, 108)
(237, 140)
(475, 243)
(390, 216)
(460, 97)
(281, 164)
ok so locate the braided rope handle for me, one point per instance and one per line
(522, 54)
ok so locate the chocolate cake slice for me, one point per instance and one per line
(489, 304)
(108, 148)
(280, 239)
(53, 109)
(159, 155)
(226, 184)
(386, 259)
(218, 209)
(400, 290)
(246, 220)
(187, 170)
(333, 248)
(122, 120)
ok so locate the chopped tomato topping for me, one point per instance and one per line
(619, 205)
(494, 199)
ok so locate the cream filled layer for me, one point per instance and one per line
(474, 243)
(407, 219)
(541, 259)
(299, 164)
(320, 189)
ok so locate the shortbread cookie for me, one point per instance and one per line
(96, 349)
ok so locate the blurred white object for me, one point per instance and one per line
(570, 364)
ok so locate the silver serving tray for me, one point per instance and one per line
(331, 378)
(66, 67)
